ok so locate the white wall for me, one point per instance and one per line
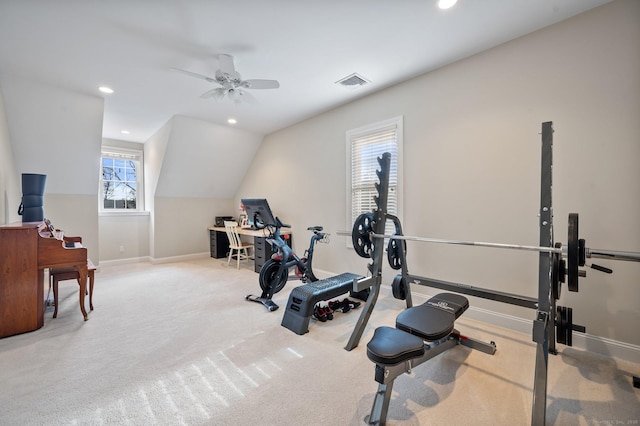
(192, 170)
(154, 151)
(9, 183)
(181, 224)
(58, 133)
(123, 236)
(129, 232)
(472, 164)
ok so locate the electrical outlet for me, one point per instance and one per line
(121, 249)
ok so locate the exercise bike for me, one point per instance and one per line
(275, 271)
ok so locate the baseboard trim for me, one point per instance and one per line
(155, 261)
(182, 258)
(129, 260)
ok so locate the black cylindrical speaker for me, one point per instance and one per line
(32, 206)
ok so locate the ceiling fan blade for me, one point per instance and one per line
(210, 93)
(245, 97)
(196, 75)
(217, 93)
(226, 64)
(261, 84)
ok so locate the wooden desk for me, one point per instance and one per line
(219, 243)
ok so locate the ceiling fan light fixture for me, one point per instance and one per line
(232, 121)
(231, 85)
(105, 89)
(446, 4)
(353, 81)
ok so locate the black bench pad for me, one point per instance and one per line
(435, 318)
(390, 346)
(303, 298)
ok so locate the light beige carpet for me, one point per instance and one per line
(177, 344)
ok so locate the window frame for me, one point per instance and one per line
(354, 135)
(130, 155)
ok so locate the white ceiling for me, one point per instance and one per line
(131, 46)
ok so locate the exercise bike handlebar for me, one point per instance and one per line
(279, 223)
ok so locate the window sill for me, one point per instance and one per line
(122, 213)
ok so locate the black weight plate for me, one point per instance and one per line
(394, 255)
(555, 274)
(569, 327)
(360, 237)
(398, 287)
(561, 325)
(573, 253)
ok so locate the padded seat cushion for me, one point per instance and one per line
(390, 346)
(435, 318)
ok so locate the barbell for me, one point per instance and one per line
(576, 252)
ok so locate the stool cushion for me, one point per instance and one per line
(71, 269)
(435, 318)
(390, 346)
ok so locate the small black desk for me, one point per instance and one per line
(219, 243)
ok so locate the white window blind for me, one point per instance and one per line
(366, 145)
(123, 154)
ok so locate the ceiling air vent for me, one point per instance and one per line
(352, 81)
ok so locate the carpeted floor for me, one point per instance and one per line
(177, 344)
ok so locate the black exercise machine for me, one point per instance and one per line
(275, 271)
(395, 351)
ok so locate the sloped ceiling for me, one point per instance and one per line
(54, 132)
(308, 46)
(203, 159)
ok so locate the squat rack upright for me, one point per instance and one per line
(549, 269)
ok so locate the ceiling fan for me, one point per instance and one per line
(231, 84)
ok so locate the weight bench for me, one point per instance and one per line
(302, 299)
(421, 333)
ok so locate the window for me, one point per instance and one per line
(121, 180)
(364, 146)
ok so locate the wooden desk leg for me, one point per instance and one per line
(82, 280)
(91, 277)
(55, 296)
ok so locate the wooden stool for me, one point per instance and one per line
(63, 274)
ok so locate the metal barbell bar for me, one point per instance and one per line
(629, 256)
(470, 243)
(575, 250)
(590, 253)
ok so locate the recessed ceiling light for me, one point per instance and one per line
(124, 132)
(232, 121)
(446, 4)
(105, 89)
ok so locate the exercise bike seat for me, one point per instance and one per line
(434, 319)
(315, 228)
